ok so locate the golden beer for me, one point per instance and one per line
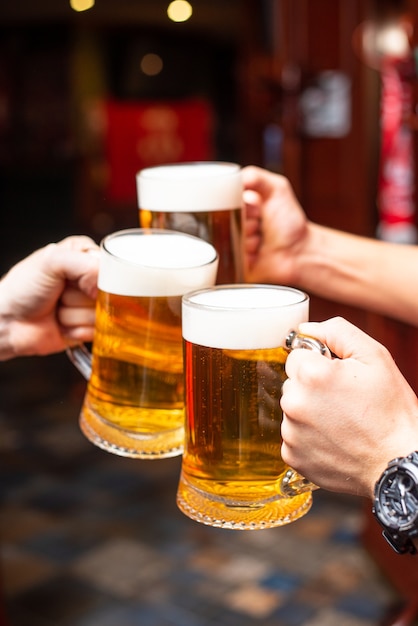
(137, 375)
(203, 199)
(234, 370)
(134, 404)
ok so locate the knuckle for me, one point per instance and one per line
(305, 366)
(288, 455)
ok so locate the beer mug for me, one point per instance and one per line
(201, 198)
(134, 403)
(235, 351)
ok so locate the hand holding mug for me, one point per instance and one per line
(47, 299)
(345, 417)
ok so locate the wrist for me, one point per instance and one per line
(7, 350)
(311, 267)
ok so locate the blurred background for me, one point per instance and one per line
(88, 98)
(323, 91)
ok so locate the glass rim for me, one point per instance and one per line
(188, 299)
(153, 232)
(228, 167)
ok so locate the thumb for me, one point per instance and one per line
(343, 338)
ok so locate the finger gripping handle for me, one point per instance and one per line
(291, 482)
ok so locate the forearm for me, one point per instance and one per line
(374, 275)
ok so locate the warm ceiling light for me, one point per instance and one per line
(393, 40)
(151, 64)
(374, 41)
(179, 10)
(81, 5)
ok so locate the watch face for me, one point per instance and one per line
(398, 498)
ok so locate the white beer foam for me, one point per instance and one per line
(243, 318)
(190, 187)
(158, 263)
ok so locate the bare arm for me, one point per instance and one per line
(374, 275)
(282, 246)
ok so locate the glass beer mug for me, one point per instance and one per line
(235, 350)
(201, 198)
(134, 403)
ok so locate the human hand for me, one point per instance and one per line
(275, 226)
(47, 300)
(346, 418)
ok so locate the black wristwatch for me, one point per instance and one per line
(396, 503)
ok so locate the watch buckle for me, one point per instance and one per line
(401, 546)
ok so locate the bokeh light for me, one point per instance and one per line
(151, 64)
(179, 10)
(81, 5)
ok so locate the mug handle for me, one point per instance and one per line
(292, 483)
(80, 356)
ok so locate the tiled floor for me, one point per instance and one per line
(91, 539)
